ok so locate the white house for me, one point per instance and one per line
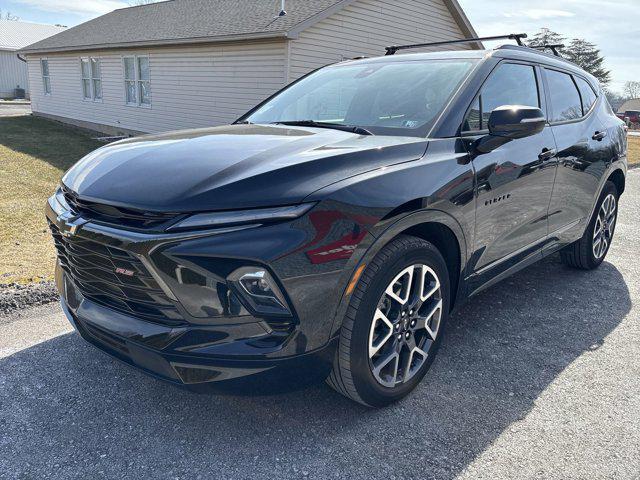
(14, 36)
(195, 63)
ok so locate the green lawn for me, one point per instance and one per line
(34, 153)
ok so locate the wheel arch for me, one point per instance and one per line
(435, 226)
(618, 178)
(443, 238)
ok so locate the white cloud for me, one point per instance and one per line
(539, 14)
(83, 7)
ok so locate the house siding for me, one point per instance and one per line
(365, 27)
(196, 86)
(191, 86)
(13, 72)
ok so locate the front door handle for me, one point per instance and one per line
(599, 136)
(547, 154)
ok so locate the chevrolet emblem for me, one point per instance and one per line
(69, 224)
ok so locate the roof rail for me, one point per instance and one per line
(553, 47)
(514, 36)
(537, 51)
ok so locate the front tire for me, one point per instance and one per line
(590, 251)
(394, 323)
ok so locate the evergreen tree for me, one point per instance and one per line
(547, 37)
(584, 54)
(587, 56)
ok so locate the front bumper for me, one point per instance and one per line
(206, 336)
(156, 350)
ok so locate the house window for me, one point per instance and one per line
(91, 79)
(137, 81)
(46, 79)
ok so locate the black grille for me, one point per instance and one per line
(123, 217)
(92, 268)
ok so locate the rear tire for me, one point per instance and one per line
(590, 251)
(387, 346)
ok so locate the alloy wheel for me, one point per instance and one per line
(605, 223)
(405, 325)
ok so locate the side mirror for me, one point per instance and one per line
(511, 122)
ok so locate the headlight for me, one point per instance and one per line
(240, 217)
(260, 291)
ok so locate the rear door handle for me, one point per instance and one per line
(547, 154)
(599, 136)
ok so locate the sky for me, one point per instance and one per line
(614, 25)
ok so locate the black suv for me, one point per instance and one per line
(332, 230)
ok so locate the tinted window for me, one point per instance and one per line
(565, 99)
(510, 84)
(588, 95)
(387, 98)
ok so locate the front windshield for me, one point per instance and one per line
(386, 98)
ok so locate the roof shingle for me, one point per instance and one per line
(175, 21)
(633, 104)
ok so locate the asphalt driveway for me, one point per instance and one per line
(539, 377)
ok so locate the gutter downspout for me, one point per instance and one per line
(27, 94)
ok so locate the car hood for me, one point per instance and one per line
(237, 166)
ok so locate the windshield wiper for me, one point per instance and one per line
(336, 126)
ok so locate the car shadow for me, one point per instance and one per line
(67, 409)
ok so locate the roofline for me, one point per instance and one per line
(318, 17)
(12, 48)
(160, 43)
(463, 21)
(34, 23)
(453, 6)
(142, 4)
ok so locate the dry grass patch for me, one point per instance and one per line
(34, 153)
(634, 150)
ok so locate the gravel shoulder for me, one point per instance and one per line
(16, 297)
(538, 377)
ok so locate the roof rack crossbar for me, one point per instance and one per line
(553, 47)
(514, 36)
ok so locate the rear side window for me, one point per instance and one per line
(509, 84)
(589, 97)
(565, 99)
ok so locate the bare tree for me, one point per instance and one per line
(8, 16)
(135, 3)
(632, 90)
(615, 99)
